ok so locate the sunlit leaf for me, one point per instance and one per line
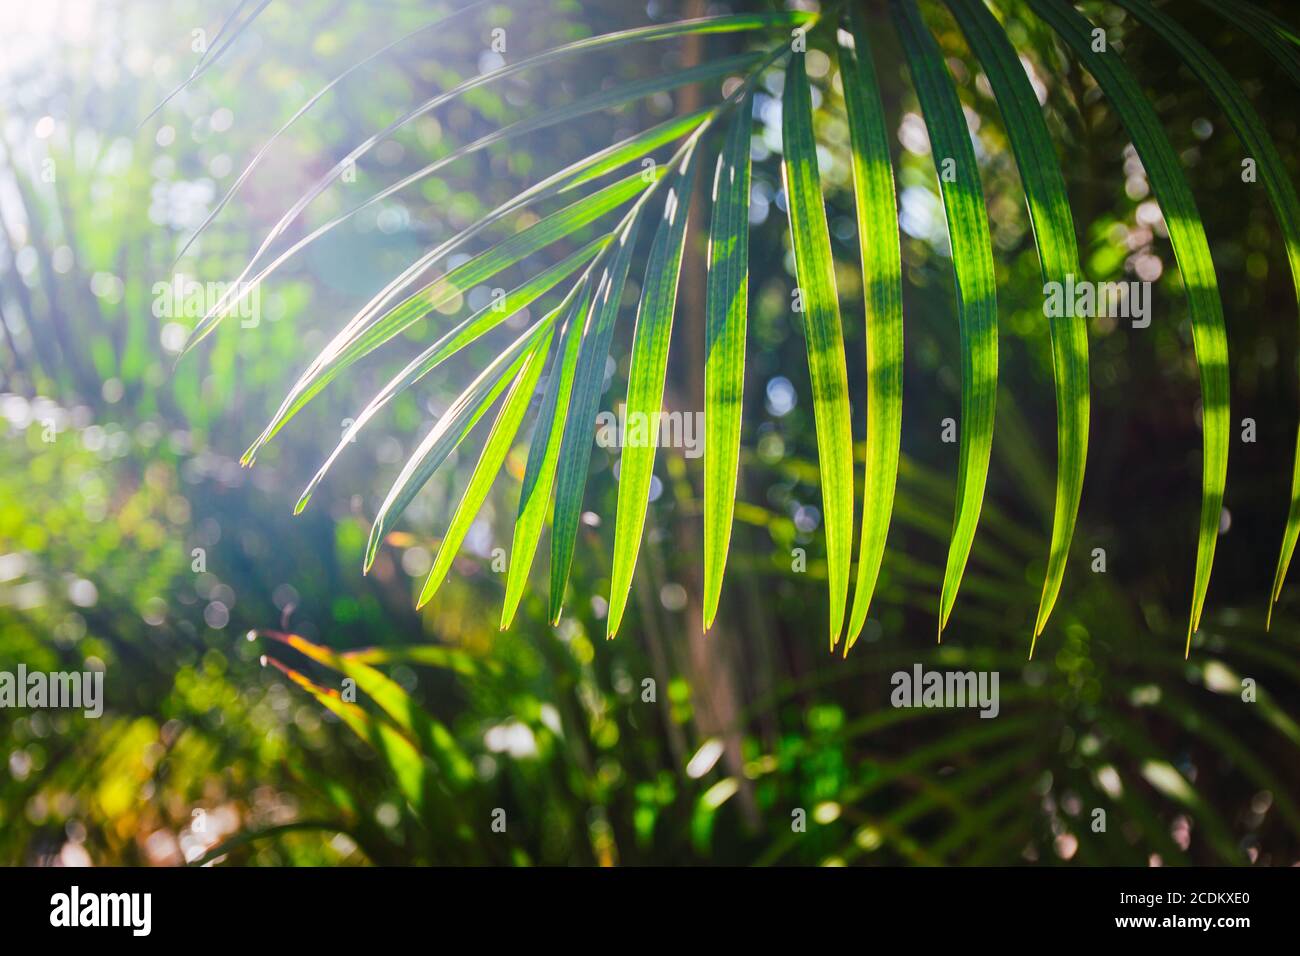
(544, 448)
(1058, 257)
(451, 342)
(456, 422)
(726, 315)
(494, 453)
(823, 334)
(972, 261)
(589, 377)
(1192, 250)
(435, 740)
(882, 282)
(377, 324)
(645, 386)
(737, 23)
(1281, 194)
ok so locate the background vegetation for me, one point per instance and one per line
(135, 543)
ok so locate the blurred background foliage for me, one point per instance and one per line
(131, 540)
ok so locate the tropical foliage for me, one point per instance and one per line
(573, 337)
(796, 156)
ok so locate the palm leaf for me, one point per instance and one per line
(1281, 194)
(882, 282)
(1192, 250)
(575, 448)
(544, 448)
(220, 44)
(576, 174)
(451, 429)
(726, 308)
(503, 433)
(373, 326)
(645, 387)
(583, 171)
(697, 27)
(431, 734)
(451, 342)
(1058, 256)
(823, 335)
(972, 260)
(399, 753)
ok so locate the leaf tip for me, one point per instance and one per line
(372, 548)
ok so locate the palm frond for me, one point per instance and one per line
(451, 342)
(377, 322)
(1192, 250)
(882, 282)
(315, 98)
(575, 448)
(499, 440)
(1234, 102)
(823, 334)
(727, 305)
(579, 332)
(972, 261)
(1058, 256)
(698, 27)
(645, 386)
(544, 449)
(452, 428)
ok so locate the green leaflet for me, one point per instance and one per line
(544, 449)
(645, 387)
(705, 25)
(726, 311)
(575, 449)
(882, 283)
(823, 334)
(494, 453)
(455, 423)
(455, 339)
(1058, 256)
(972, 261)
(579, 107)
(1192, 251)
(1281, 194)
(370, 329)
(578, 173)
